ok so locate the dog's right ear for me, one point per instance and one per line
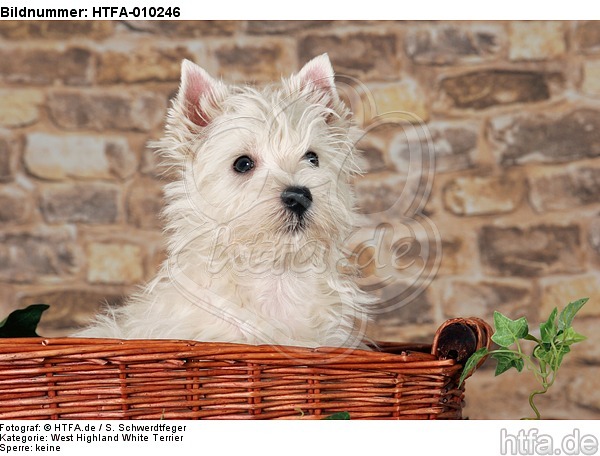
(198, 94)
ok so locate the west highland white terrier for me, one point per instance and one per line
(256, 222)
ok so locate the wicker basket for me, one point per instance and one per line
(158, 379)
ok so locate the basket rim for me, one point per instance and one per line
(12, 349)
(131, 350)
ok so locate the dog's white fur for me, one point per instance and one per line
(241, 267)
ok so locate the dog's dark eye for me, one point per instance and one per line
(243, 164)
(312, 158)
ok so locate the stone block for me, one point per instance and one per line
(386, 196)
(55, 30)
(531, 252)
(591, 78)
(55, 157)
(484, 195)
(563, 188)
(536, 40)
(141, 65)
(20, 107)
(10, 147)
(594, 236)
(15, 205)
(285, 27)
(144, 204)
(186, 29)
(402, 101)
(457, 256)
(261, 60)
(45, 66)
(584, 392)
(545, 138)
(558, 292)
(92, 203)
(452, 145)
(480, 299)
(488, 88)
(587, 37)
(114, 263)
(355, 54)
(451, 44)
(403, 304)
(38, 254)
(107, 110)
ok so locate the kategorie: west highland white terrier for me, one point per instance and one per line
(257, 220)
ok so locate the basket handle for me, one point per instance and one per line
(459, 338)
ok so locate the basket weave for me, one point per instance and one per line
(162, 379)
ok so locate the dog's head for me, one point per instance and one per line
(267, 165)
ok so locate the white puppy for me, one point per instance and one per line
(257, 221)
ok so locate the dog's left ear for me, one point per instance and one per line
(317, 78)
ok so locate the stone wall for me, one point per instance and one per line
(509, 112)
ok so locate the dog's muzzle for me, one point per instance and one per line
(297, 199)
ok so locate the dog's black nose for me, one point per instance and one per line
(297, 199)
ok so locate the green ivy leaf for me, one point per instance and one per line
(548, 329)
(552, 356)
(562, 351)
(508, 331)
(565, 319)
(507, 360)
(23, 322)
(544, 353)
(570, 337)
(338, 416)
(471, 363)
